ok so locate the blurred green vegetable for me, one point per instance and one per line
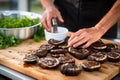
(10, 22)
(8, 41)
(39, 35)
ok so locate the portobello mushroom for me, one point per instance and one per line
(55, 42)
(48, 63)
(66, 59)
(99, 45)
(46, 47)
(40, 52)
(57, 55)
(113, 56)
(59, 51)
(116, 50)
(99, 57)
(91, 65)
(30, 58)
(79, 53)
(70, 69)
(110, 47)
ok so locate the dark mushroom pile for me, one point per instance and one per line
(56, 53)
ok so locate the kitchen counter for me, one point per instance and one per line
(12, 74)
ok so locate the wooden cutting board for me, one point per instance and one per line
(13, 58)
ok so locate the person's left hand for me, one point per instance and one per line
(85, 37)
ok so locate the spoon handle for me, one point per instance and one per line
(54, 25)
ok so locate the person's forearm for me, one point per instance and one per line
(110, 18)
(47, 3)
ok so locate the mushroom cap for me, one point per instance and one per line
(110, 47)
(66, 59)
(99, 45)
(57, 55)
(55, 42)
(113, 56)
(116, 50)
(40, 52)
(59, 51)
(70, 69)
(79, 53)
(46, 47)
(99, 56)
(30, 58)
(91, 65)
(48, 62)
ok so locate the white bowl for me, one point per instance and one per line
(61, 35)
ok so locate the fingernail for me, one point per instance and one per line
(74, 45)
(48, 30)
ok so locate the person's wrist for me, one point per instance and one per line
(100, 29)
(50, 7)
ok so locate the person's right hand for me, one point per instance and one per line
(48, 14)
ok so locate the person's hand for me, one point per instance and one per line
(48, 14)
(85, 37)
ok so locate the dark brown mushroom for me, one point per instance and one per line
(59, 51)
(99, 57)
(79, 53)
(113, 56)
(46, 47)
(66, 59)
(57, 55)
(63, 46)
(70, 69)
(99, 45)
(116, 50)
(55, 42)
(30, 58)
(48, 63)
(40, 52)
(91, 65)
(110, 47)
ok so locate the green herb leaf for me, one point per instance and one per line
(39, 35)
